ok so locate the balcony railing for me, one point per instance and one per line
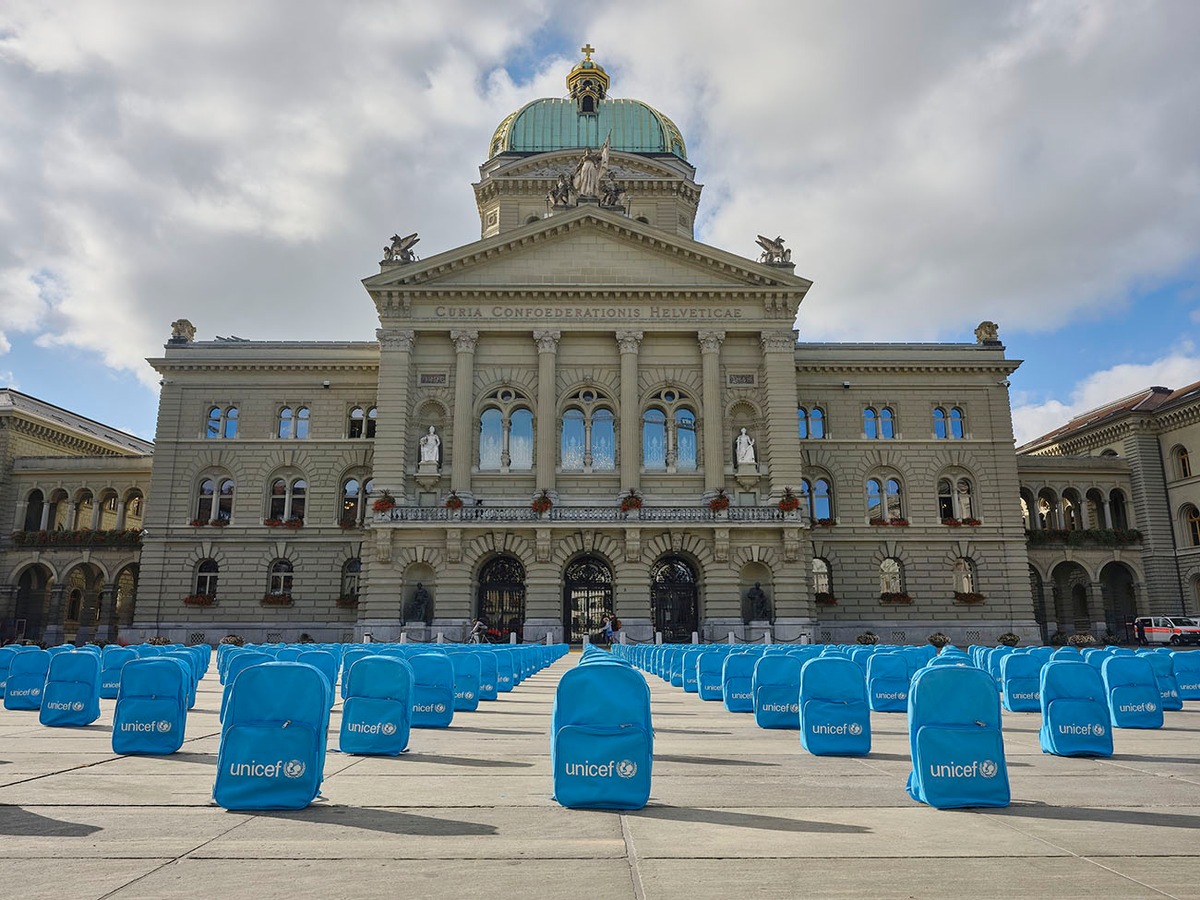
(487, 514)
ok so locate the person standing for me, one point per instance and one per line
(608, 630)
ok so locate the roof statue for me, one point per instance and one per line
(182, 331)
(987, 333)
(400, 249)
(774, 253)
(590, 171)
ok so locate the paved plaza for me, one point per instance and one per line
(735, 811)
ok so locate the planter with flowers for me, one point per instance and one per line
(198, 523)
(218, 523)
(868, 638)
(789, 502)
(272, 523)
(348, 522)
(384, 502)
(823, 523)
(199, 600)
(1009, 639)
(630, 501)
(454, 501)
(277, 600)
(720, 503)
(968, 597)
(542, 503)
(894, 597)
(294, 522)
(939, 639)
(974, 523)
(952, 523)
(824, 599)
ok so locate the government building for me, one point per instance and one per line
(586, 412)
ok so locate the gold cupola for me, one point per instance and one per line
(587, 83)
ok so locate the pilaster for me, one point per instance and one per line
(547, 430)
(779, 370)
(629, 342)
(391, 438)
(464, 402)
(714, 430)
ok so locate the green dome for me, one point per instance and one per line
(557, 124)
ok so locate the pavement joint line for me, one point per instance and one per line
(172, 862)
(1090, 860)
(635, 872)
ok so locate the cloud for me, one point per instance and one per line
(931, 164)
(1176, 370)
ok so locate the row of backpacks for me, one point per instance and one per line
(277, 699)
(154, 687)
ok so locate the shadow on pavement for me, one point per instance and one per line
(467, 761)
(17, 821)
(1093, 814)
(710, 760)
(386, 821)
(746, 820)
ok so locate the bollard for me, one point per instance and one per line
(767, 637)
(548, 641)
(621, 636)
(658, 637)
(731, 637)
(512, 637)
(586, 641)
(404, 637)
(440, 638)
(695, 637)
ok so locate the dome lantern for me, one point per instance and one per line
(587, 83)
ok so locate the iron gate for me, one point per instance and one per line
(587, 599)
(673, 600)
(501, 600)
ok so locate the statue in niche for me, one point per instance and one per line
(744, 449)
(590, 171)
(431, 447)
(420, 605)
(757, 604)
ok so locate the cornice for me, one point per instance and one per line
(59, 437)
(991, 367)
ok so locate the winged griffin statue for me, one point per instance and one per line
(774, 253)
(400, 250)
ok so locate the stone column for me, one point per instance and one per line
(391, 438)
(122, 506)
(464, 403)
(714, 430)
(547, 430)
(628, 342)
(779, 367)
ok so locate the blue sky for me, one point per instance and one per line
(932, 164)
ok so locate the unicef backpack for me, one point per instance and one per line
(151, 712)
(111, 663)
(1134, 700)
(377, 714)
(776, 689)
(272, 752)
(433, 690)
(955, 739)
(71, 695)
(26, 678)
(887, 682)
(601, 744)
(835, 719)
(1075, 718)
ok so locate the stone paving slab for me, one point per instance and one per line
(734, 811)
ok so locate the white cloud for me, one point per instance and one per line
(1176, 370)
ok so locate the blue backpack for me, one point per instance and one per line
(601, 746)
(1134, 700)
(6, 658)
(26, 678)
(776, 688)
(1075, 720)
(737, 682)
(466, 681)
(1021, 676)
(690, 682)
(709, 664)
(236, 665)
(505, 663)
(325, 663)
(377, 714)
(835, 719)
(887, 682)
(1185, 666)
(272, 752)
(151, 712)
(488, 673)
(71, 695)
(1164, 676)
(349, 658)
(111, 663)
(433, 690)
(955, 739)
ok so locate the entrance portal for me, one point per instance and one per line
(673, 600)
(587, 598)
(501, 600)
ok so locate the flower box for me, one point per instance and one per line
(898, 523)
(952, 523)
(823, 599)
(199, 600)
(541, 503)
(347, 524)
(719, 503)
(878, 522)
(974, 523)
(789, 502)
(277, 600)
(272, 523)
(454, 501)
(968, 597)
(198, 523)
(823, 523)
(893, 597)
(347, 602)
(218, 523)
(294, 523)
(384, 503)
(630, 501)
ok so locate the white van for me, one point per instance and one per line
(1172, 630)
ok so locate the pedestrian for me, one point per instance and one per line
(477, 632)
(608, 631)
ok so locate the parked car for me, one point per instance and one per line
(1172, 630)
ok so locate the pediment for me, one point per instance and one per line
(587, 247)
(550, 165)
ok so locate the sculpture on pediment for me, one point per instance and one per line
(612, 194)
(182, 331)
(590, 171)
(774, 253)
(987, 333)
(560, 192)
(400, 249)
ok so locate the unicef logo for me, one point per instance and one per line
(439, 707)
(1097, 729)
(77, 706)
(855, 728)
(164, 725)
(1151, 707)
(387, 728)
(294, 768)
(33, 692)
(627, 768)
(468, 695)
(988, 768)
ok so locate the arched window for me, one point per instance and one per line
(361, 422)
(206, 578)
(817, 496)
(351, 572)
(280, 578)
(891, 577)
(822, 579)
(1191, 525)
(1116, 509)
(287, 500)
(293, 423)
(506, 432)
(222, 423)
(940, 431)
(669, 433)
(964, 576)
(1183, 463)
(887, 424)
(35, 503)
(588, 441)
(354, 500)
(811, 422)
(84, 506)
(870, 423)
(884, 500)
(879, 423)
(215, 500)
(957, 424)
(956, 499)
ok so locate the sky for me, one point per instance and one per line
(931, 163)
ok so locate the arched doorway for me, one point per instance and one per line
(1072, 603)
(32, 599)
(1120, 600)
(83, 598)
(1038, 592)
(501, 598)
(587, 598)
(674, 599)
